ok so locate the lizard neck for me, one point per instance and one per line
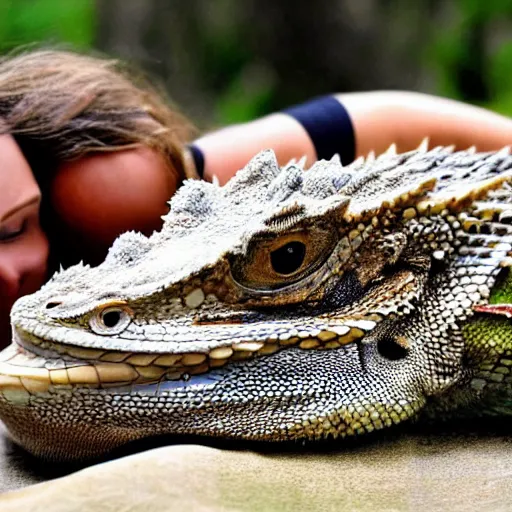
(489, 357)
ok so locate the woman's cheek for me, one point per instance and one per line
(34, 261)
(26, 262)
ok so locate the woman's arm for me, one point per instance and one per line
(378, 119)
(385, 117)
(229, 149)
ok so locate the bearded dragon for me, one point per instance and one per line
(285, 305)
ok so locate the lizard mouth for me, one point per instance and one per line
(31, 366)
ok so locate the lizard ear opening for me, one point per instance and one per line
(393, 349)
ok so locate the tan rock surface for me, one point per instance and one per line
(464, 472)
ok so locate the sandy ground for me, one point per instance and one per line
(410, 470)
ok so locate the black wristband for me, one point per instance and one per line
(328, 125)
(198, 157)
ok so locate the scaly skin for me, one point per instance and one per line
(283, 306)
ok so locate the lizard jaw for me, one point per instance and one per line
(29, 367)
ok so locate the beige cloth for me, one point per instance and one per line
(413, 473)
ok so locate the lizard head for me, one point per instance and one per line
(284, 305)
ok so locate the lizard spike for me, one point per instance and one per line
(488, 211)
(506, 262)
(215, 180)
(401, 201)
(291, 162)
(302, 162)
(471, 150)
(335, 159)
(464, 196)
(391, 151)
(357, 165)
(371, 157)
(423, 147)
(504, 152)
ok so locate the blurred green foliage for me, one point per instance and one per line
(468, 52)
(46, 21)
(472, 56)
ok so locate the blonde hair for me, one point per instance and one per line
(61, 105)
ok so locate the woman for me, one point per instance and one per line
(89, 152)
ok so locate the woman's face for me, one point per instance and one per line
(23, 245)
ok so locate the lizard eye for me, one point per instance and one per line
(289, 258)
(277, 261)
(110, 320)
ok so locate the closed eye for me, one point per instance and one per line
(8, 234)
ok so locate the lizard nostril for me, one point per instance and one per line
(391, 349)
(53, 304)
